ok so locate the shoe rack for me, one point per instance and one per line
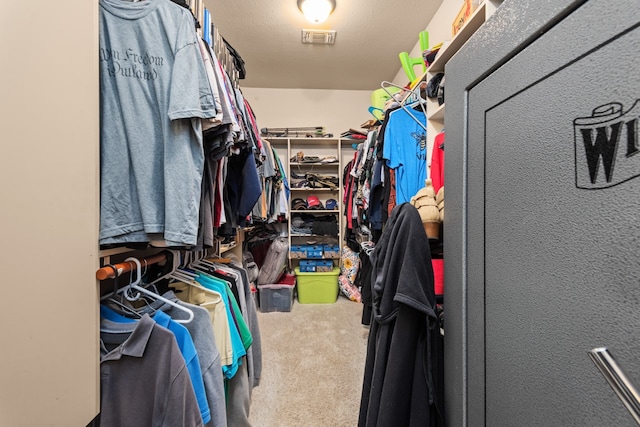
(319, 156)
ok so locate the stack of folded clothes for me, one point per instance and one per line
(307, 224)
(353, 134)
(301, 158)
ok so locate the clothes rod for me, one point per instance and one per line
(108, 272)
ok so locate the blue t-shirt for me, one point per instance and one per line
(153, 92)
(405, 149)
(188, 350)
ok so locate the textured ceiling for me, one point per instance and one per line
(370, 34)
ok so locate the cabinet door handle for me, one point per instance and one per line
(617, 379)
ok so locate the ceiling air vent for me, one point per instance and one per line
(319, 36)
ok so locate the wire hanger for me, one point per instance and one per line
(135, 286)
(422, 102)
(402, 103)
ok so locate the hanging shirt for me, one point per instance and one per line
(437, 162)
(285, 180)
(250, 314)
(236, 340)
(375, 205)
(143, 378)
(226, 100)
(234, 293)
(347, 198)
(405, 149)
(403, 382)
(201, 331)
(437, 179)
(206, 58)
(212, 301)
(243, 184)
(187, 348)
(153, 93)
(254, 125)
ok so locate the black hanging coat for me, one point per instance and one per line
(402, 382)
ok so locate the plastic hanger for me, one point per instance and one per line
(176, 272)
(135, 285)
(200, 261)
(202, 264)
(185, 263)
(125, 308)
(377, 113)
(368, 247)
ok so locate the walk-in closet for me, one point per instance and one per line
(232, 214)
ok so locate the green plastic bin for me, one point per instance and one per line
(317, 287)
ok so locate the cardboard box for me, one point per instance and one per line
(298, 251)
(324, 266)
(331, 251)
(465, 12)
(315, 265)
(314, 251)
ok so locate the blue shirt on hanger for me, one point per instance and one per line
(405, 149)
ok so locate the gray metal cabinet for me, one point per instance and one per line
(543, 214)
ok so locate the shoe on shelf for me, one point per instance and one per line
(301, 184)
(310, 159)
(297, 158)
(425, 202)
(329, 159)
(440, 202)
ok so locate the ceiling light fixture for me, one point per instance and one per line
(316, 11)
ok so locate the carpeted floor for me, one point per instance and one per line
(313, 365)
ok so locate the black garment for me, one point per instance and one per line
(375, 197)
(241, 191)
(363, 281)
(386, 193)
(214, 149)
(348, 182)
(228, 229)
(325, 226)
(237, 60)
(233, 285)
(401, 382)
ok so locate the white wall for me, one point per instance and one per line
(339, 110)
(439, 31)
(336, 110)
(49, 159)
